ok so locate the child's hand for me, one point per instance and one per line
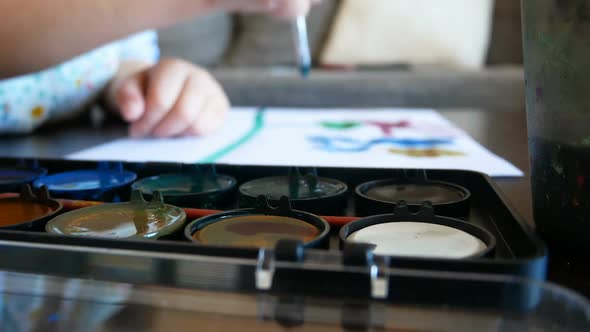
(171, 98)
(277, 8)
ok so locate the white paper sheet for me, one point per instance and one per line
(314, 137)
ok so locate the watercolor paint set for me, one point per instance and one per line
(336, 231)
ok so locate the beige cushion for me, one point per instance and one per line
(454, 33)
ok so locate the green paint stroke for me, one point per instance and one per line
(340, 125)
(256, 128)
(586, 141)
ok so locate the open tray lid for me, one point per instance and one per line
(33, 300)
(354, 272)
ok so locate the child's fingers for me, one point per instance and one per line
(184, 113)
(249, 5)
(165, 82)
(211, 118)
(278, 8)
(291, 8)
(129, 98)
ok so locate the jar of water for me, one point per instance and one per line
(557, 71)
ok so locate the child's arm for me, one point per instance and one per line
(36, 34)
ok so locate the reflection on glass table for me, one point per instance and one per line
(31, 303)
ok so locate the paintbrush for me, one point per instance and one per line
(301, 40)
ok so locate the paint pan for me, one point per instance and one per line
(134, 219)
(195, 189)
(259, 227)
(309, 193)
(419, 235)
(27, 211)
(381, 196)
(103, 184)
(13, 178)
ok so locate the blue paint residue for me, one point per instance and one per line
(346, 144)
(53, 318)
(304, 70)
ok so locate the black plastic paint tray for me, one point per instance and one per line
(351, 271)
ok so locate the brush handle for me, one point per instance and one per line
(301, 40)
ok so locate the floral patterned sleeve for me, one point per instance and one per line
(142, 46)
(28, 101)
